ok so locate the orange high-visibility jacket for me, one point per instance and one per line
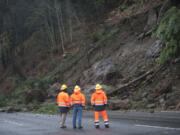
(63, 99)
(99, 98)
(77, 98)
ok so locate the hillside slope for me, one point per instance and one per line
(119, 52)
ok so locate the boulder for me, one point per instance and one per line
(104, 71)
(178, 106)
(172, 100)
(12, 109)
(24, 109)
(151, 97)
(3, 110)
(53, 90)
(151, 106)
(151, 110)
(153, 50)
(177, 60)
(31, 107)
(145, 94)
(164, 87)
(162, 101)
(116, 104)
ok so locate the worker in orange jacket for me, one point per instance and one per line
(78, 102)
(99, 102)
(63, 102)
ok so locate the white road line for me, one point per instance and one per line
(148, 126)
(13, 122)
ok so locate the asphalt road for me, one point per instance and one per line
(120, 124)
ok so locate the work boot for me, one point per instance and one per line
(62, 126)
(80, 127)
(96, 126)
(107, 126)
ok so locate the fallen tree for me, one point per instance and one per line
(152, 72)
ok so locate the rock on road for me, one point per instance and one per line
(120, 124)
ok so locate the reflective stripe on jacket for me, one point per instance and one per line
(63, 99)
(99, 98)
(78, 98)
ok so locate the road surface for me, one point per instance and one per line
(120, 124)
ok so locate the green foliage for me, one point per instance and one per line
(108, 35)
(43, 25)
(33, 82)
(15, 80)
(144, 102)
(3, 100)
(17, 94)
(30, 84)
(111, 33)
(169, 31)
(14, 97)
(103, 34)
(127, 3)
(54, 78)
(50, 108)
(160, 1)
(99, 33)
(141, 104)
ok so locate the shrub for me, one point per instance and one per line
(32, 83)
(169, 31)
(50, 108)
(15, 80)
(3, 101)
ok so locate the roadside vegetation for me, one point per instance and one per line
(50, 108)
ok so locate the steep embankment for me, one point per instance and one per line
(123, 57)
(119, 53)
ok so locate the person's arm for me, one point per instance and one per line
(71, 100)
(93, 100)
(58, 99)
(67, 100)
(83, 100)
(105, 99)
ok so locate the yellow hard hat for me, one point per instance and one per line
(98, 86)
(63, 87)
(77, 88)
